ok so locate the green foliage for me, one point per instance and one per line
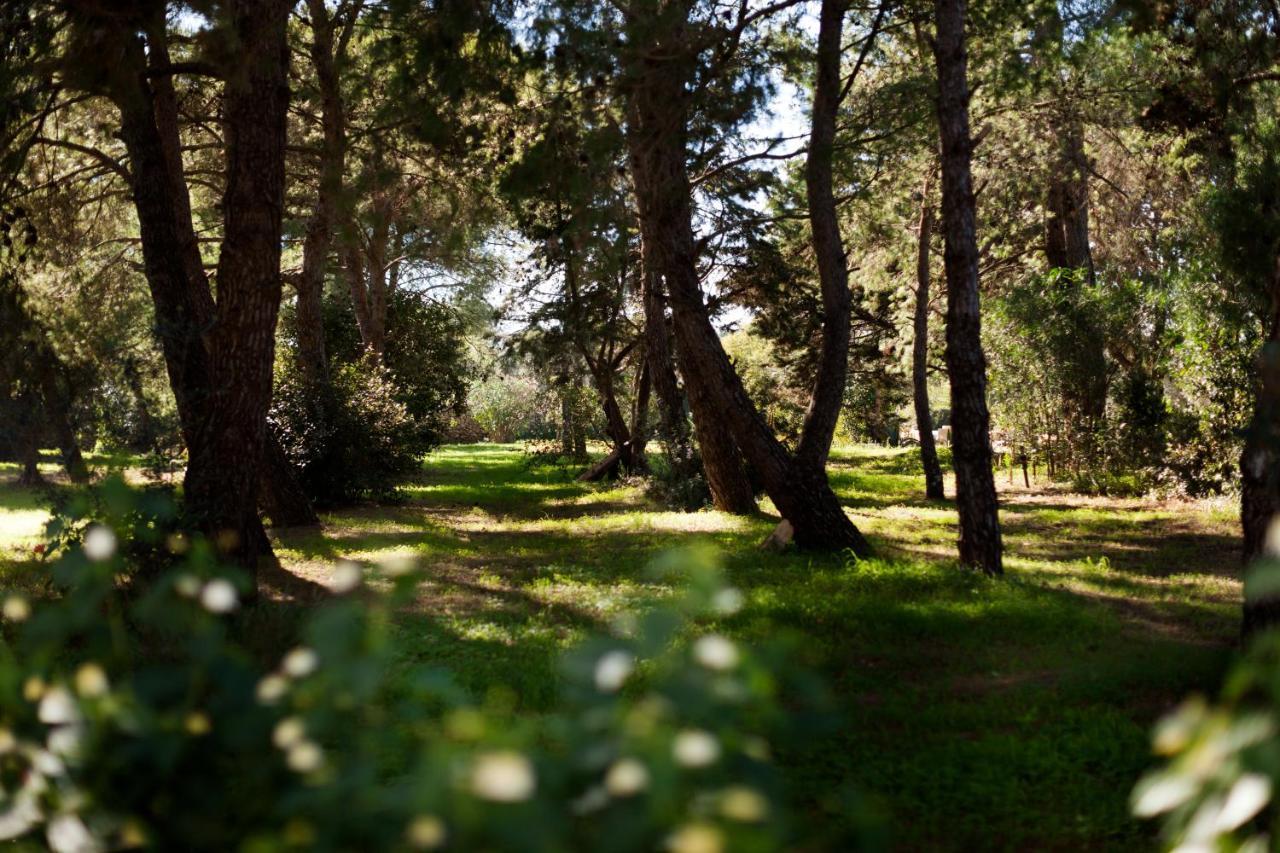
(511, 407)
(767, 381)
(138, 715)
(351, 438)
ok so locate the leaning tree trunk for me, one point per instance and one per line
(658, 110)
(920, 355)
(980, 544)
(1260, 472)
(721, 463)
(833, 358)
(223, 475)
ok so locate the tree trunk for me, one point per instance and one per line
(920, 354)
(145, 437)
(223, 475)
(324, 51)
(57, 409)
(656, 137)
(1260, 472)
(980, 544)
(827, 396)
(28, 407)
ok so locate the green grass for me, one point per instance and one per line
(978, 714)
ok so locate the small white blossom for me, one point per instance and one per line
(219, 596)
(627, 777)
(300, 662)
(613, 669)
(57, 707)
(346, 576)
(715, 652)
(7, 742)
(727, 601)
(67, 833)
(65, 740)
(304, 757)
(426, 832)
(91, 681)
(695, 748)
(271, 689)
(16, 609)
(504, 777)
(99, 543)
(288, 732)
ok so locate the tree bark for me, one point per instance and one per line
(656, 137)
(827, 397)
(933, 489)
(980, 542)
(1260, 471)
(224, 471)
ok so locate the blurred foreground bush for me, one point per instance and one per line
(135, 714)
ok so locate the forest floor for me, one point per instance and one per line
(976, 714)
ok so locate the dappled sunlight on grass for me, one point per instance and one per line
(975, 709)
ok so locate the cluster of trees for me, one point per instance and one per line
(1089, 188)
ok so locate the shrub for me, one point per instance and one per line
(350, 438)
(137, 716)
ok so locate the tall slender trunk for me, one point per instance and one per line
(833, 359)
(980, 543)
(223, 475)
(318, 241)
(656, 137)
(145, 435)
(1260, 471)
(933, 489)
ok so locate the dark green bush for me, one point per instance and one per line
(350, 438)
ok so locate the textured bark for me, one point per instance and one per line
(721, 463)
(184, 305)
(656, 137)
(325, 51)
(980, 543)
(827, 396)
(223, 474)
(933, 488)
(1260, 470)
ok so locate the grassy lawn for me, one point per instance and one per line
(976, 713)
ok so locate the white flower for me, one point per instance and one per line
(347, 575)
(57, 707)
(715, 652)
(613, 669)
(271, 689)
(99, 543)
(304, 757)
(696, 838)
(743, 804)
(695, 748)
(426, 832)
(65, 740)
(16, 608)
(219, 596)
(7, 742)
(91, 681)
(300, 662)
(727, 601)
(504, 777)
(288, 732)
(627, 777)
(68, 834)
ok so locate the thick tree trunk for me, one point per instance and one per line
(28, 435)
(1260, 473)
(145, 437)
(933, 489)
(657, 113)
(980, 543)
(223, 476)
(827, 396)
(57, 407)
